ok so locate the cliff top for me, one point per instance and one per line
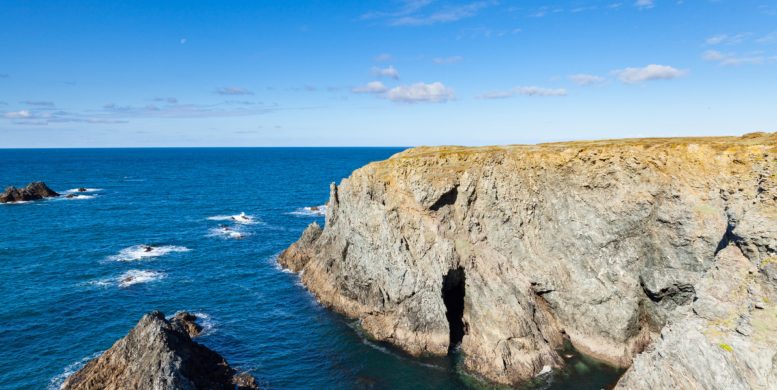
(719, 143)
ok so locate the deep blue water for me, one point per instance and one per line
(62, 261)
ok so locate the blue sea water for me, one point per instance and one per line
(73, 279)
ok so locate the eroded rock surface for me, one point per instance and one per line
(159, 354)
(654, 254)
(34, 191)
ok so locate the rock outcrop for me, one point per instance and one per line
(160, 354)
(296, 256)
(655, 254)
(34, 191)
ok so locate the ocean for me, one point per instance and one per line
(75, 277)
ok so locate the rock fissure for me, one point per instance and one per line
(453, 292)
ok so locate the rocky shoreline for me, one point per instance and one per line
(659, 255)
(160, 354)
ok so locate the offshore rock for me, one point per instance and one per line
(644, 253)
(34, 191)
(187, 322)
(159, 354)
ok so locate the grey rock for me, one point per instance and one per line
(186, 322)
(34, 191)
(159, 354)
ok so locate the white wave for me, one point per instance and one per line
(138, 252)
(77, 190)
(56, 382)
(136, 276)
(278, 266)
(76, 197)
(227, 232)
(313, 211)
(18, 202)
(241, 218)
(207, 323)
(102, 282)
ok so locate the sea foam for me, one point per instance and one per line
(56, 382)
(76, 191)
(234, 233)
(136, 276)
(139, 252)
(241, 218)
(313, 211)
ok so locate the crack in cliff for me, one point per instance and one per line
(728, 238)
(453, 291)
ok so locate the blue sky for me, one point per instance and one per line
(415, 72)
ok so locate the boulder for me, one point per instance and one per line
(33, 191)
(159, 354)
(187, 322)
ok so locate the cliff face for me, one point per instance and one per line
(654, 254)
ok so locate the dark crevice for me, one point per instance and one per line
(728, 238)
(447, 198)
(453, 285)
(679, 293)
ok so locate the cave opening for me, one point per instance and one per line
(453, 296)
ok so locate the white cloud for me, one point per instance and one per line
(484, 32)
(233, 91)
(39, 103)
(647, 73)
(17, 114)
(768, 38)
(726, 39)
(371, 87)
(586, 79)
(383, 57)
(390, 72)
(408, 7)
(644, 4)
(525, 91)
(447, 60)
(444, 15)
(420, 92)
(169, 100)
(727, 59)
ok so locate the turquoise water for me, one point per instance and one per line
(73, 281)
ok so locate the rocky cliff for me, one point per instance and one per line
(159, 354)
(654, 254)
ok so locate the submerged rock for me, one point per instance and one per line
(159, 354)
(33, 191)
(643, 253)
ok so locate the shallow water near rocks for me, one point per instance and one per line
(64, 265)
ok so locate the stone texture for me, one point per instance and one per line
(159, 354)
(34, 191)
(295, 256)
(620, 246)
(186, 322)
